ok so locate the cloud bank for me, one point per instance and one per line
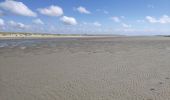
(116, 19)
(2, 23)
(17, 25)
(162, 20)
(17, 8)
(51, 11)
(38, 21)
(97, 24)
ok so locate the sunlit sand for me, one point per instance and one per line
(115, 68)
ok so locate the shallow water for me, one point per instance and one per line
(31, 42)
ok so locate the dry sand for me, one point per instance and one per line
(117, 68)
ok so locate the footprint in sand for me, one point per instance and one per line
(160, 82)
(152, 89)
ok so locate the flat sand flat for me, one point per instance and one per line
(115, 68)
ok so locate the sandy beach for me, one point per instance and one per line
(108, 68)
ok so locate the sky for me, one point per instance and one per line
(123, 17)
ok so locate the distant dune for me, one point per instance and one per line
(34, 35)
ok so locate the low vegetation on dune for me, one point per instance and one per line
(21, 34)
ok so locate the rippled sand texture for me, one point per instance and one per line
(125, 68)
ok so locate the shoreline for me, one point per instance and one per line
(46, 37)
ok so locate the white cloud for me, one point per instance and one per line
(38, 21)
(150, 6)
(140, 21)
(51, 11)
(91, 24)
(105, 12)
(116, 19)
(162, 20)
(126, 25)
(17, 8)
(2, 23)
(85, 23)
(68, 20)
(17, 25)
(83, 10)
(151, 19)
(97, 24)
(123, 17)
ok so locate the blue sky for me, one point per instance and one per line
(125, 17)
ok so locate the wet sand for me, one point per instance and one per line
(115, 68)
